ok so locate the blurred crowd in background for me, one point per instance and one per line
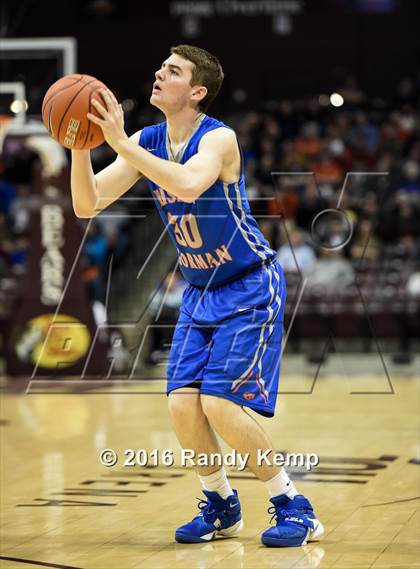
(310, 146)
(105, 237)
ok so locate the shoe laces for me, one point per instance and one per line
(281, 514)
(207, 510)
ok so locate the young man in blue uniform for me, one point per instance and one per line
(225, 354)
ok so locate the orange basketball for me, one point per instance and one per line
(64, 110)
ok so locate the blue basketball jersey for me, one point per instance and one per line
(216, 237)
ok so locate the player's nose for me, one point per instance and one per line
(159, 75)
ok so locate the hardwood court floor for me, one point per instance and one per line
(62, 508)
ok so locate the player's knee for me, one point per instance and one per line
(185, 405)
(213, 407)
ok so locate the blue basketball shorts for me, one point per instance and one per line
(228, 339)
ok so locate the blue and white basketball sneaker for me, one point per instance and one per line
(296, 522)
(217, 517)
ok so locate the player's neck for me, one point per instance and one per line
(181, 125)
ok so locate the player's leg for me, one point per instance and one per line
(244, 365)
(296, 521)
(240, 430)
(191, 425)
(220, 512)
(243, 371)
(188, 357)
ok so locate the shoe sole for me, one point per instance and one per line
(182, 537)
(313, 535)
(233, 530)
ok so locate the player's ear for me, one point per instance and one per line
(199, 93)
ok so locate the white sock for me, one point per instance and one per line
(281, 484)
(217, 482)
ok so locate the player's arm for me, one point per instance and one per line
(185, 181)
(91, 193)
(217, 149)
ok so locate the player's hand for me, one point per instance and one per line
(112, 118)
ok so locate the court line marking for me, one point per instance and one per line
(40, 563)
(393, 502)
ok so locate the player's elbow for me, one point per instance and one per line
(83, 208)
(186, 192)
(187, 198)
(83, 213)
(196, 186)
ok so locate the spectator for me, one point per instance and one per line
(364, 245)
(308, 143)
(364, 137)
(95, 247)
(413, 283)
(7, 195)
(327, 170)
(95, 251)
(296, 256)
(410, 177)
(18, 255)
(310, 203)
(399, 218)
(265, 168)
(331, 272)
(21, 208)
(406, 93)
(114, 227)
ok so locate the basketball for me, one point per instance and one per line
(64, 110)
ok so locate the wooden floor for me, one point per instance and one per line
(62, 508)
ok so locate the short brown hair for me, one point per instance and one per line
(207, 71)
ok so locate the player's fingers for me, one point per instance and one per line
(110, 100)
(99, 107)
(112, 97)
(94, 119)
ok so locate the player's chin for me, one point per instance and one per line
(155, 100)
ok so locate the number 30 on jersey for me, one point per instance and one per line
(186, 230)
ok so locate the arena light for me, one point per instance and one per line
(19, 106)
(336, 100)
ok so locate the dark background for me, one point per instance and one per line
(122, 43)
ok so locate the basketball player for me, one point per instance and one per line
(225, 354)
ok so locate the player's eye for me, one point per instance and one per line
(174, 72)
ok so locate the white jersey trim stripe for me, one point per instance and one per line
(262, 341)
(270, 331)
(239, 222)
(243, 218)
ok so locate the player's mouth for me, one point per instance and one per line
(156, 87)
